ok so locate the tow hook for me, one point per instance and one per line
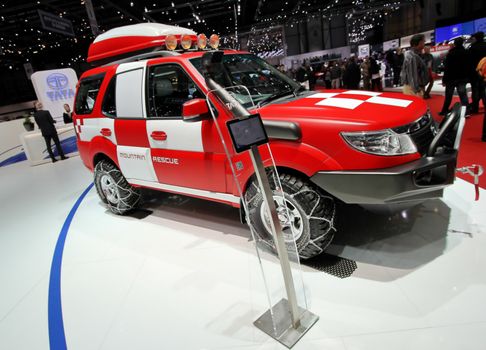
(475, 171)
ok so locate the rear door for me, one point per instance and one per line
(133, 146)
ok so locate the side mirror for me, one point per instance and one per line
(195, 110)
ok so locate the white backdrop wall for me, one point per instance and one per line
(54, 88)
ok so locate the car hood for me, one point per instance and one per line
(364, 110)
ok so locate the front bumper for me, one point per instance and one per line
(415, 182)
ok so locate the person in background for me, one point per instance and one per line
(476, 52)
(428, 60)
(481, 72)
(397, 66)
(67, 116)
(311, 75)
(343, 65)
(336, 74)
(365, 71)
(352, 74)
(327, 78)
(414, 72)
(46, 125)
(455, 75)
(375, 69)
(383, 68)
(302, 76)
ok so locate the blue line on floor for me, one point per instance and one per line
(57, 338)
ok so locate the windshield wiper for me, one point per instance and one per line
(276, 96)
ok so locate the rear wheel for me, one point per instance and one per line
(113, 188)
(306, 213)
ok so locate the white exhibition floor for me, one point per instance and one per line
(185, 276)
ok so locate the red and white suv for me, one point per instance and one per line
(144, 122)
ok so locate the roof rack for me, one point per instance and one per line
(144, 56)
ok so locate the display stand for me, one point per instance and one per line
(285, 320)
(34, 144)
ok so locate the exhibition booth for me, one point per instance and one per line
(217, 204)
(22, 140)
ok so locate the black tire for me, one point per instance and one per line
(317, 214)
(113, 188)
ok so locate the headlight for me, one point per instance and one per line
(383, 142)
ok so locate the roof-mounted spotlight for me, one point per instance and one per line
(214, 41)
(202, 41)
(171, 42)
(186, 42)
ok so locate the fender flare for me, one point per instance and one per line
(298, 157)
(103, 147)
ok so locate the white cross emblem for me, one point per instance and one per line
(329, 99)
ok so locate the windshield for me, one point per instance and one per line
(262, 80)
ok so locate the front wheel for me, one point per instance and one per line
(307, 215)
(113, 188)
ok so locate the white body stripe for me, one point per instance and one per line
(323, 95)
(130, 90)
(181, 136)
(189, 191)
(348, 103)
(361, 92)
(130, 66)
(92, 127)
(136, 163)
(77, 126)
(389, 101)
(108, 123)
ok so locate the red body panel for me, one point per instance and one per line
(131, 132)
(100, 145)
(198, 170)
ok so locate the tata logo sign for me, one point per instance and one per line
(57, 81)
(58, 85)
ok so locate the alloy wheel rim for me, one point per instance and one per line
(290, 218)
(110, 189)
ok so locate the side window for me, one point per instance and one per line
(168, 88)
(87, 93)
(109, 103)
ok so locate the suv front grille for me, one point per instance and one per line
(421, 131)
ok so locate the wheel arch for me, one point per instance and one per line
(100, 149)
(98, 157)
(301, 160)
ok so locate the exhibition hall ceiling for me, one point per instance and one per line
(24, 38)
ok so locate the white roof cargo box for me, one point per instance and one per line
(133, 39)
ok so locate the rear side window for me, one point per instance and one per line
(109, 102)
(87, 93)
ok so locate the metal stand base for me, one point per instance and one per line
(280, 326)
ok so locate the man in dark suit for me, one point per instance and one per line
(45, 122)
(456, 75)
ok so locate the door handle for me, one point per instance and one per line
(105, 132)
(158, 135)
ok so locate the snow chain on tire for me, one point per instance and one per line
(318, 209)
(129, 197)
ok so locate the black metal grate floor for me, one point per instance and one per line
(332, 265)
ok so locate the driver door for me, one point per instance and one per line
(177, 147)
